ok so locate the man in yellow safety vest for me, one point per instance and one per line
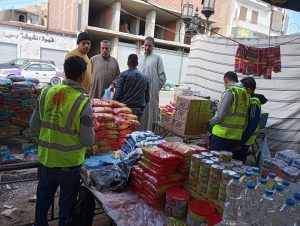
(63, 118)
(230, 119)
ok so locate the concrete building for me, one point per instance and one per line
(250, 19)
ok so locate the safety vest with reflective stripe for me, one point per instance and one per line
(254, 100)
(59, 141)
(234, 122)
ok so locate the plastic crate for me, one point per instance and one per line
(263, 120)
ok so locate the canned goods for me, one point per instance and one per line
(212, 193)
(226, 176)
(226, 156)
(202, 186)
(215, 159)
(216, 153)
(198, 211)
(239, 170)
(177, 202)
(207, 154)
(227, 165)
(237, 162)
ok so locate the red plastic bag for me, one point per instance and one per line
(122, 110)
(100, 103)
(104, 117)
(128, 116)
(159, 154)
(103, 110)
(116, 104)
(162, 180)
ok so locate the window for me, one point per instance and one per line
(33, 67)
(47, 67)
(254, 17)
(21, 18)
(243, 13)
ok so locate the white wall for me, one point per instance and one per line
(30, 42)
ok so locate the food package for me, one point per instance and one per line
(107, 134)
(152, 202)
(155, 171)
(159, 154)
(122, 110)
(274, 163)
(287, 155)
(128, 116)
(296, 163)
(291, 172)
(104, 117)
(100, 103)
(115, 104)
(162, 180)
(103, 110)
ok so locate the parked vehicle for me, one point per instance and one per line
(169, 84)
(18, 62)
(44, 72)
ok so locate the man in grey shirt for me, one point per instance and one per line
(230, 119)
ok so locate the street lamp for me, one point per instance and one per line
(192, 23)
(208, 10)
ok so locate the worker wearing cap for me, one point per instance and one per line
(63, 118)
(83, 47)
(229, 122)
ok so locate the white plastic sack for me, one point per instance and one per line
(264, 151)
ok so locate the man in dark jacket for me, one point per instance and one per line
(132, 88)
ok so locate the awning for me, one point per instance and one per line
(287, 4)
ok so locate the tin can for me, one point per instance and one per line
(226, 156)
(238, 170)
(177, 202)
(202, 186)
(207, 154)
(215, 153)
(212, 193)
(198, 212)
(215, 159)
(227, 165)
(227, 176)
(237, 162)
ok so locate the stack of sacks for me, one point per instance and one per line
(157, 173)
(112, 122)
(140, 139)
(5, 89)
(184, 153)
(287, 161)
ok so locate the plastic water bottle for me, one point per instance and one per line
(260, 189)
(279, 196)
(246, 178)
(256, 174)
(286, 188)
(267, 210)
(233, 201)
(271, 181)
(297, 206)
(287, 213)
(247, 213)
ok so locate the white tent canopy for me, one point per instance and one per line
(210, 58)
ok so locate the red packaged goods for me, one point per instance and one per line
(107, 148)
(161, 190)
(138, 169)
(149, 169)
(100, 103)
(152, 202)
(104, 117)
(157, 165)
(158, 154)
(128, 116)
(116, 104)
(124, 133)
(180, 149)
(121, 123)
(124, 110)
(107, 134)
(103, 110)
(158, 181)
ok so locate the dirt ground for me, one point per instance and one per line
(18, 195)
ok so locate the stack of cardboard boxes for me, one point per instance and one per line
(191, 116)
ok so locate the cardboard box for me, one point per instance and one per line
(192, 103)
(184, 116)
(167, 121)
(189, 128)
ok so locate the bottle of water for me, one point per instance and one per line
(279, 196)
(233, 201)
(256, 174)
(260, 189)
(266, 210)
(246, 178)
(247, 213)
(297, 206)
(271, 181)
(287, 213)
(286, 188)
